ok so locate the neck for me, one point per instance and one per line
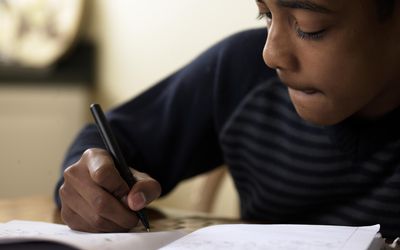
(382, 104)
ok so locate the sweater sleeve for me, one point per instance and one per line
(171, 130)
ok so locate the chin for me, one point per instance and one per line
(316, 108)
(319, 118)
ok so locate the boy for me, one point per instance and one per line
(319, 145)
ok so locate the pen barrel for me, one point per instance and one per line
(112, 147)
(124, 172)
(111, 144)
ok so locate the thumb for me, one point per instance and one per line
(145, 190)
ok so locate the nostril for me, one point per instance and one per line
(280, 58)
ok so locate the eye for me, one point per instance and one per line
(317, 35)
(266, 15)
(263, 11)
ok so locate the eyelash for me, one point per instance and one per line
(301, 34)
(266, 15)
(310, 35)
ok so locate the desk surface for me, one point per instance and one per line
(40, 208)
(37, 208)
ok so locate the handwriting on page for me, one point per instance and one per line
(277, 237)
(17, 231)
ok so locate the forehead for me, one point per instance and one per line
(345, 7)
(333, 5)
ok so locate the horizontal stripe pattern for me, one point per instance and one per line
(289, 171)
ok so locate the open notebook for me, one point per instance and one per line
(40, 235)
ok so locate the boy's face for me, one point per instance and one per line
(335, 56)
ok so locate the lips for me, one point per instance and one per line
(302, 88)
(309, 91)
(305, 88)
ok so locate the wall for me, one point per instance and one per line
(140, 42)
(36, 126)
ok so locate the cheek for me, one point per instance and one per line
(347, 82)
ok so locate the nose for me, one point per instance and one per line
(278, 50)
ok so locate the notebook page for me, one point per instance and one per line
(277, 237)
(19, 231)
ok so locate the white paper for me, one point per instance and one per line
(19, 231)
(277, 237)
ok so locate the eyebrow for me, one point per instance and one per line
(304, 4)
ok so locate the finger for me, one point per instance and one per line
(81, 208)
(68, 216)
(103, 172)
(104, 205)
(145, 190)
(139, 175)
(75, 221)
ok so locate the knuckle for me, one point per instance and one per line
(88, 153)
(62, 191)
(100, 204)
(99, 223)
(67, 173)
(70, 171)
(101, 174)
(92, 153)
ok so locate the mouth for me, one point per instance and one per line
(306, 91)
(303, 88)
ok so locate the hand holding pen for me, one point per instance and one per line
(92, 192)
(113, 149)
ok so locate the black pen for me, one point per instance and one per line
(114, 150)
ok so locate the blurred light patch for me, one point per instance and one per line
(36, 33)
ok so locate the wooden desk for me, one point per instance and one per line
(41, 208)
(37, 208)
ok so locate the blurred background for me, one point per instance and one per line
(58, 56)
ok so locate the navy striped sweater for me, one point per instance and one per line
(227, 107)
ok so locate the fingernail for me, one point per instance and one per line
(138, 201)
